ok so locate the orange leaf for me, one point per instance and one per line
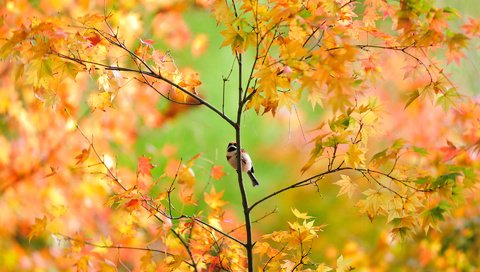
(144, 166)
(214, 199)
(132, 204)
(82, 157)
(82, 264)
(217, 172)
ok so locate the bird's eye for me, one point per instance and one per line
(231, 148)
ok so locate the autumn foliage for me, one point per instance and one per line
(86, 184)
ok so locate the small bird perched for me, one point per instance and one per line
(246, 161)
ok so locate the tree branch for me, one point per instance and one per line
(149, 73)
(241, 184)
(315, 178)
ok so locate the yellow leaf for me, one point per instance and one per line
(104, 82)
(261, 248)
(147, 263)
(38, 228)
(222, 12)
(355, 156)
(82, 264)
(343, 265)
(47, 96)
(235, 38)
(300, 215)
(323, 268)
(100, 100)
(102, 245)
(255, 102)
(346, 186)
(39, 72)
(374, 204)
(315, 98)
(108, 266)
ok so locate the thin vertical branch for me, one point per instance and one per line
(246, 210)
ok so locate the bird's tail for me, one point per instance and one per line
(253, 178)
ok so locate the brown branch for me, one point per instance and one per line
(317, 177)
(246, 211)
(68, 238)
(150, 74)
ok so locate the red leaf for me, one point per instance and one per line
(147, 42)
(144, 166)
(94, 39)
(450, 151)
(217, 172)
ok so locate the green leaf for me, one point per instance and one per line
(379, 155)
(398, 144)
(342, 122)
(335, 140)
(447, 99)
(444, 180)
(423, 180)
(437, 213)
(420, 150)
(304, 13)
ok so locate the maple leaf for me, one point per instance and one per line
(346, 186)
(93, 39)
(147, 42)
(186, 175)
(132, 204)
(100, 100)
(38, 228)
(472, 27)
(104, 82)
(355, 156)
(235, 38)
(323, 268)
(412, 96)
(214, 199)
(456, 42)
(222, 12)
(144, 166)
(375, 203)
(39, 72)
(103, 245)
(83, 156)
(343, 265)
(450, 151)
(47, 96)
(448, 98)
(300, 215)
(147, 263)
(217, 172)
(82, 264)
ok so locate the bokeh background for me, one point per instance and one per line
(278, 145)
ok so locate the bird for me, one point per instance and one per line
(246, 161)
